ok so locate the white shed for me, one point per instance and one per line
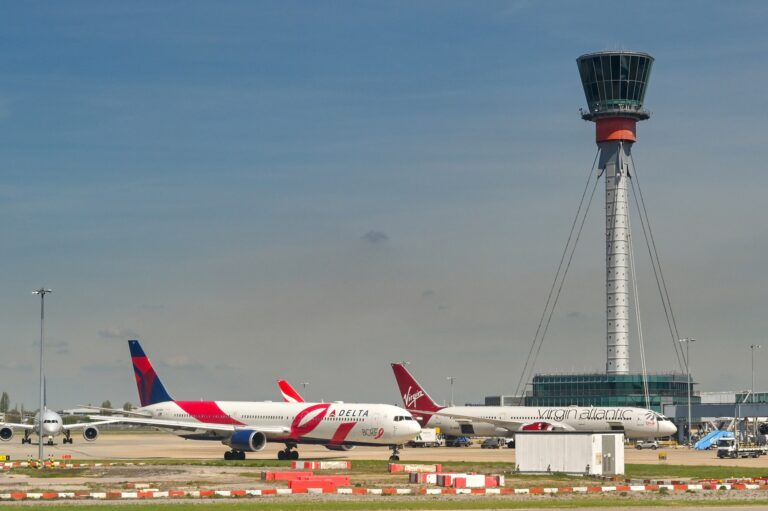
(573, 452)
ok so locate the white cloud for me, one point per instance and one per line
(180, 362)
(120, 334)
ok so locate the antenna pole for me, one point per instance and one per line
(42, 292)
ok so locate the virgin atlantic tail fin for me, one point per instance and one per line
(414, 397)
(151, 389)
(289, 393)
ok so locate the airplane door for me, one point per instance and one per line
(467, 429)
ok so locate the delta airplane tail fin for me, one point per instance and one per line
(289, 393)
(414, 397)
(151, 389)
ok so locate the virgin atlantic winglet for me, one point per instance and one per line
(151, 389)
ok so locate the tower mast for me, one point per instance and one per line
(614, 84)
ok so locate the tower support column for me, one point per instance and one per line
(615, 164)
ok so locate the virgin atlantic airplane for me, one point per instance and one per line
(247, 426)
(505, 420)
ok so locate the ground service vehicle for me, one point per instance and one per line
(730, 448)
(429, 437)
(458, 441)
(647, 444)
(493, 443)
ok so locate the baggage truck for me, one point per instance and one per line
(429, 437)
(730, 448)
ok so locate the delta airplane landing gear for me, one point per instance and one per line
(26, 440)
(288, 453)
(395, 452)
(67, 438)
(234, 455)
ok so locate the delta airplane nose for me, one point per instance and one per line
(413, 429)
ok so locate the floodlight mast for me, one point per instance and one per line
(42, 292)
(614, 85)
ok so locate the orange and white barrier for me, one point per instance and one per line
(322, 486)
(321, 465)
(272, 475)
(396, 467)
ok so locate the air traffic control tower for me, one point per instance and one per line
(614, 84)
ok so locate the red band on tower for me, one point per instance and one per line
(615, 128)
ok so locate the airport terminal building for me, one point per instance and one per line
(602, 389)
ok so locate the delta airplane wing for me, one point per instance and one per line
(194, 426)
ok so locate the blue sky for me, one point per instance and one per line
(202, 176)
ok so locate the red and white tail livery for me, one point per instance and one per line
(289, 393)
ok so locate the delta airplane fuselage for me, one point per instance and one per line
(320, 423)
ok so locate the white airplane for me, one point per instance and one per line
(505, 420)
(53, 426)
(247, 426)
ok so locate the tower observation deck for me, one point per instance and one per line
(614, 85)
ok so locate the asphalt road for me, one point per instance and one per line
(118, 446)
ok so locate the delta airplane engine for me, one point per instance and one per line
(247, 440)
(6, 433)
(339, 447)
(90, 433)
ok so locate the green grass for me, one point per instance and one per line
(693, 471)
(644, 471)
(50, 472)
(412, 504)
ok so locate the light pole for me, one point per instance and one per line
(753, 347)
(688, 341)
(451, 379)
(304, 386)
(42, 292)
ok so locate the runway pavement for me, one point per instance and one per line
(159, 445)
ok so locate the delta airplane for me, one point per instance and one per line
(247, 426)
(636, 423)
